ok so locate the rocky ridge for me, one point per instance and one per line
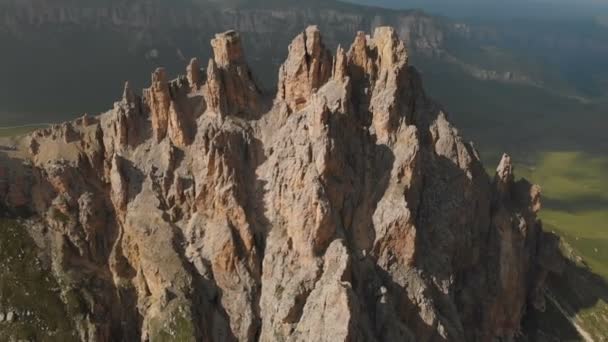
(347, 208)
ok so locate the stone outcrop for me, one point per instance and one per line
(170, 109)
(193, 72)
(159, 101)
(214, 92)
(347, 209)
(307, 68)
(504, 176)
(230, 88)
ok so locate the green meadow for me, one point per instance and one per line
(29, 291)
(575, 201)
(18, 130)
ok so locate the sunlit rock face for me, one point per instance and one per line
(347, 208)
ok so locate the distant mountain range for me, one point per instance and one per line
(556, 9)
(62, 58)
(49, 47)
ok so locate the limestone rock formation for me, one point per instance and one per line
(194, 75)
(307, 68)
(159, 101)
(230, 88)
(347, 209)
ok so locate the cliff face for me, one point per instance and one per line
(346, 209)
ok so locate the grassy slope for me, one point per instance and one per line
(28, 290)
(18, 130)
(575, 188)
(577, 305)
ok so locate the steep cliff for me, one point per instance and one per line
(346, 208)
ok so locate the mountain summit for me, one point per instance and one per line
(344, 208)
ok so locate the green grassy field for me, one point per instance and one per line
(29, 291)
(575, 192)
(577, 302)
(18, 130)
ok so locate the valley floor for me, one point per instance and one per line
(9, 131)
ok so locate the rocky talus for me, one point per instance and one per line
(345, 208)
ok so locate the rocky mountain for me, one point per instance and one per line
(345, 207)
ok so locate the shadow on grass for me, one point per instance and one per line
(574, 296)
(578, 204)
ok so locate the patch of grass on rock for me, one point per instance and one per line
(28, 291)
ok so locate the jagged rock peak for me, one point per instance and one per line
(87, 120)
(394, 89)
(377, 68)
(214, 93)
(340, 71)
(391, 50)
(230, 87)
(307, 68)
(180, 127)
(128, 95)
(504, 171)
(158, 99)
(503, 181)
(227, 48)
(361, 59)
(159, 78)
(380, 54)
(193, 74)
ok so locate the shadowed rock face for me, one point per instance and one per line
(351, 210)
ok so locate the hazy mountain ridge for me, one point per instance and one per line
(151, 33)
(495, 9)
